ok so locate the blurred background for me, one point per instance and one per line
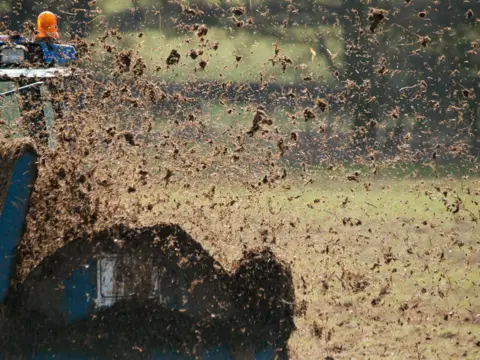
(391, 70)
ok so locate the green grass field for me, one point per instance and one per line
(254, 50)
(382, 268)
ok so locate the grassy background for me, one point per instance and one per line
(400, 279)
(255, 51)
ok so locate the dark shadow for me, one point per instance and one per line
(160, 290)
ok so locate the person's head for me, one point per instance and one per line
(47, 26)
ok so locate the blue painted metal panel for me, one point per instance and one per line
(60, 54)
(80, 291)
(267, 354)
(213, 354)
(13, 214)
(5, 39)
(218, 354)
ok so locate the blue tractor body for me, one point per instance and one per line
(16, 50)
(24, 66)
(14, 212)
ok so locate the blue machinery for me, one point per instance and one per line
(89, 286)
(13, 213)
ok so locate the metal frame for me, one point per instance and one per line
(47, 106)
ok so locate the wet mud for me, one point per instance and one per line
(198, 304)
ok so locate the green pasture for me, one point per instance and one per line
(383, 266)
(255, 52)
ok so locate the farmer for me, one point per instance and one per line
(47, 27)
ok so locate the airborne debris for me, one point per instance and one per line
(259, 119)
(238, 11)
(308, 114)
(124, 61)
(173, 58)
(361, 153)
(202, 30)
(190, 11)
(321, 104)
(354, 177)
(202, 64)
(376, 16)
(194, 53)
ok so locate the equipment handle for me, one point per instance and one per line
(10, 92)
